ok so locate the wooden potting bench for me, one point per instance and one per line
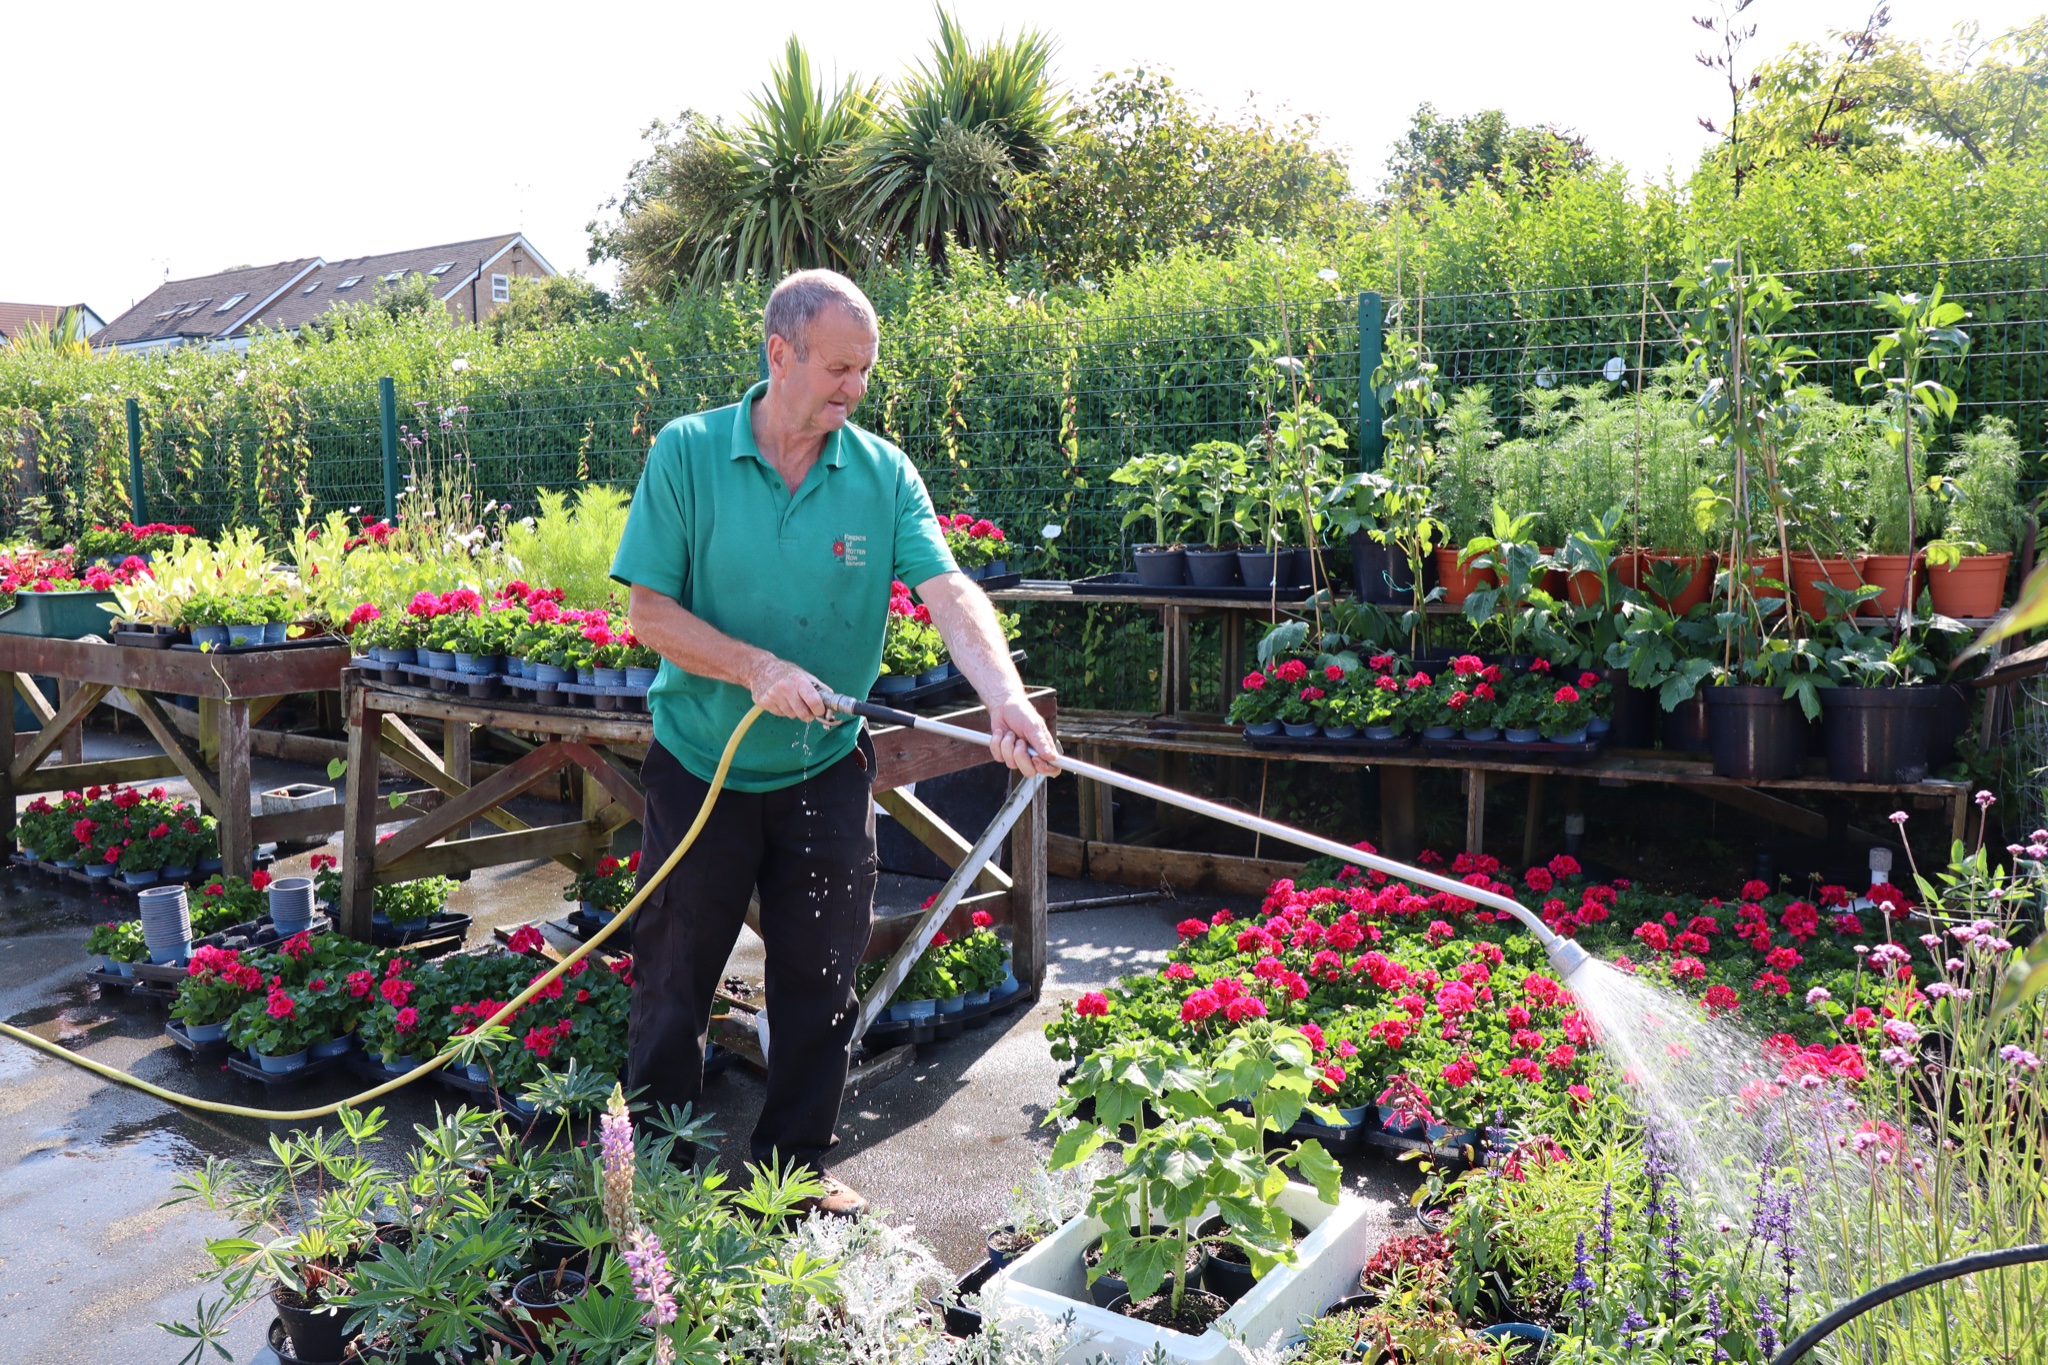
(210, 750)
(604, 748)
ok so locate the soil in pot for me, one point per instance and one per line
(543, 1295)
(1226, 1268)
(1006, 1244)
(1198, 1308)
(1109, 1286)
(314, 1326)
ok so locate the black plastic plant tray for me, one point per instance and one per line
(999, 582)
(139, 987)
(962, 1321)
(923, 692)
(149, 639)
(253, 930)
(1127, 585)
(175, 1031)
(584, 928)
(1320, 744)
(389, 935)
(373, 1068)
(1542, 751)
(305, 642)
(318, 1066)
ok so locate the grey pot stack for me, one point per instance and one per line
(291, 904)
(166, 922)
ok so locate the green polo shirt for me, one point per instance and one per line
(803, 575)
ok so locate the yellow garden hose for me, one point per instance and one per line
(511, 1006)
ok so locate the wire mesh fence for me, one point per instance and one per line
(1020, 422)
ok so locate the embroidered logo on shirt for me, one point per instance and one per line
(851, 551)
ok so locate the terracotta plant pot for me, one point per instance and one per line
(1585, 588)
(1887, 572)
(1458, 582)
(1551, 580)
(1808, 573)
(1973, 588)
(1636, 573)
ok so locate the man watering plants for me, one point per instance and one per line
(760, 550)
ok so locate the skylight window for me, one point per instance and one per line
(394, 277)
(169, 312)
(442, 268)
(232, 301)
(309, 288)
(350, 283)
(195, 306)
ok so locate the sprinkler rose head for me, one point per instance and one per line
(1565, 955)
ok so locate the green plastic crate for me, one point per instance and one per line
(59, 615)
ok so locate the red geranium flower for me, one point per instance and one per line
(1093, 1005)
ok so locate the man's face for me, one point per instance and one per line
(824, 388)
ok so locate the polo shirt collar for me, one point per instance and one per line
(743, 444)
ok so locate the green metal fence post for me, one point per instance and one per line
(387, 404)
(1372, 441)
(138, 500)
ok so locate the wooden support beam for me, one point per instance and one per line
(1532, 820)
(151, 714)
(488, 850)
(936, 835)
(64, 722)
(38, 705)
(420, 762)
(8, 682)
(69, 739)
(105, 772)
(522, 776)
(608, 776)
(1174, 869)
(237, 848)
(1028, 910)
(359, 825)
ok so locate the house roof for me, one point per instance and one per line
(457, 262)
(290, 294)
(207, 308)
(16, 318)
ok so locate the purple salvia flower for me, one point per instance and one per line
(1674, 1272)
(1581, 1283)
(1714, 1325)
(1632, 1323)
(1766, 1333)
(1606, 1222)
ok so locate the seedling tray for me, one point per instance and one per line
(259, 933)
(77, 875)
(1321, 744)
(176, 1032)
(1338, 1142)
(150, 639)
(447, 923)
(999, 582)
(303, 642)
(584, 927)
(1127, 585)
(318, 1066)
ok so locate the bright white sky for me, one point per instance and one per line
(147, 139)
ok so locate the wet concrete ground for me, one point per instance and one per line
(90, 1259)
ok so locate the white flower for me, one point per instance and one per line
(459, 364)
(1051, 530)
(1327, 275)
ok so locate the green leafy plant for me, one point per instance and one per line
(1152, 492)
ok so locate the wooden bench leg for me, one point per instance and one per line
(1397, 811)
(1475, 810)
(1532, 821)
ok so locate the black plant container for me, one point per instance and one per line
(1212, 568)
(1161, 568)
(1757, 733)
(1632, 723)
(1683, 729)
(1878, 734)
(315, 1335)
(1950, 719)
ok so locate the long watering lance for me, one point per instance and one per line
(1566, 956)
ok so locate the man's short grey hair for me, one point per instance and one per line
(802, 296)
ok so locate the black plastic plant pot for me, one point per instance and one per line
(542, 1295)
(1757, 734)
(1006, 1244)
(1877, 734)
(549, 1255)
(1382, 573)
(314, 1329)
(282, 1347)
(1263, 570)
(1632, 725)
(1683, 729)
(1211, 568)
(1160, 568)
(1950, 718)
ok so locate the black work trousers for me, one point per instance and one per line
(809, 850)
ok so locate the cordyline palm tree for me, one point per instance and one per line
(777, 217)
(940, 164)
